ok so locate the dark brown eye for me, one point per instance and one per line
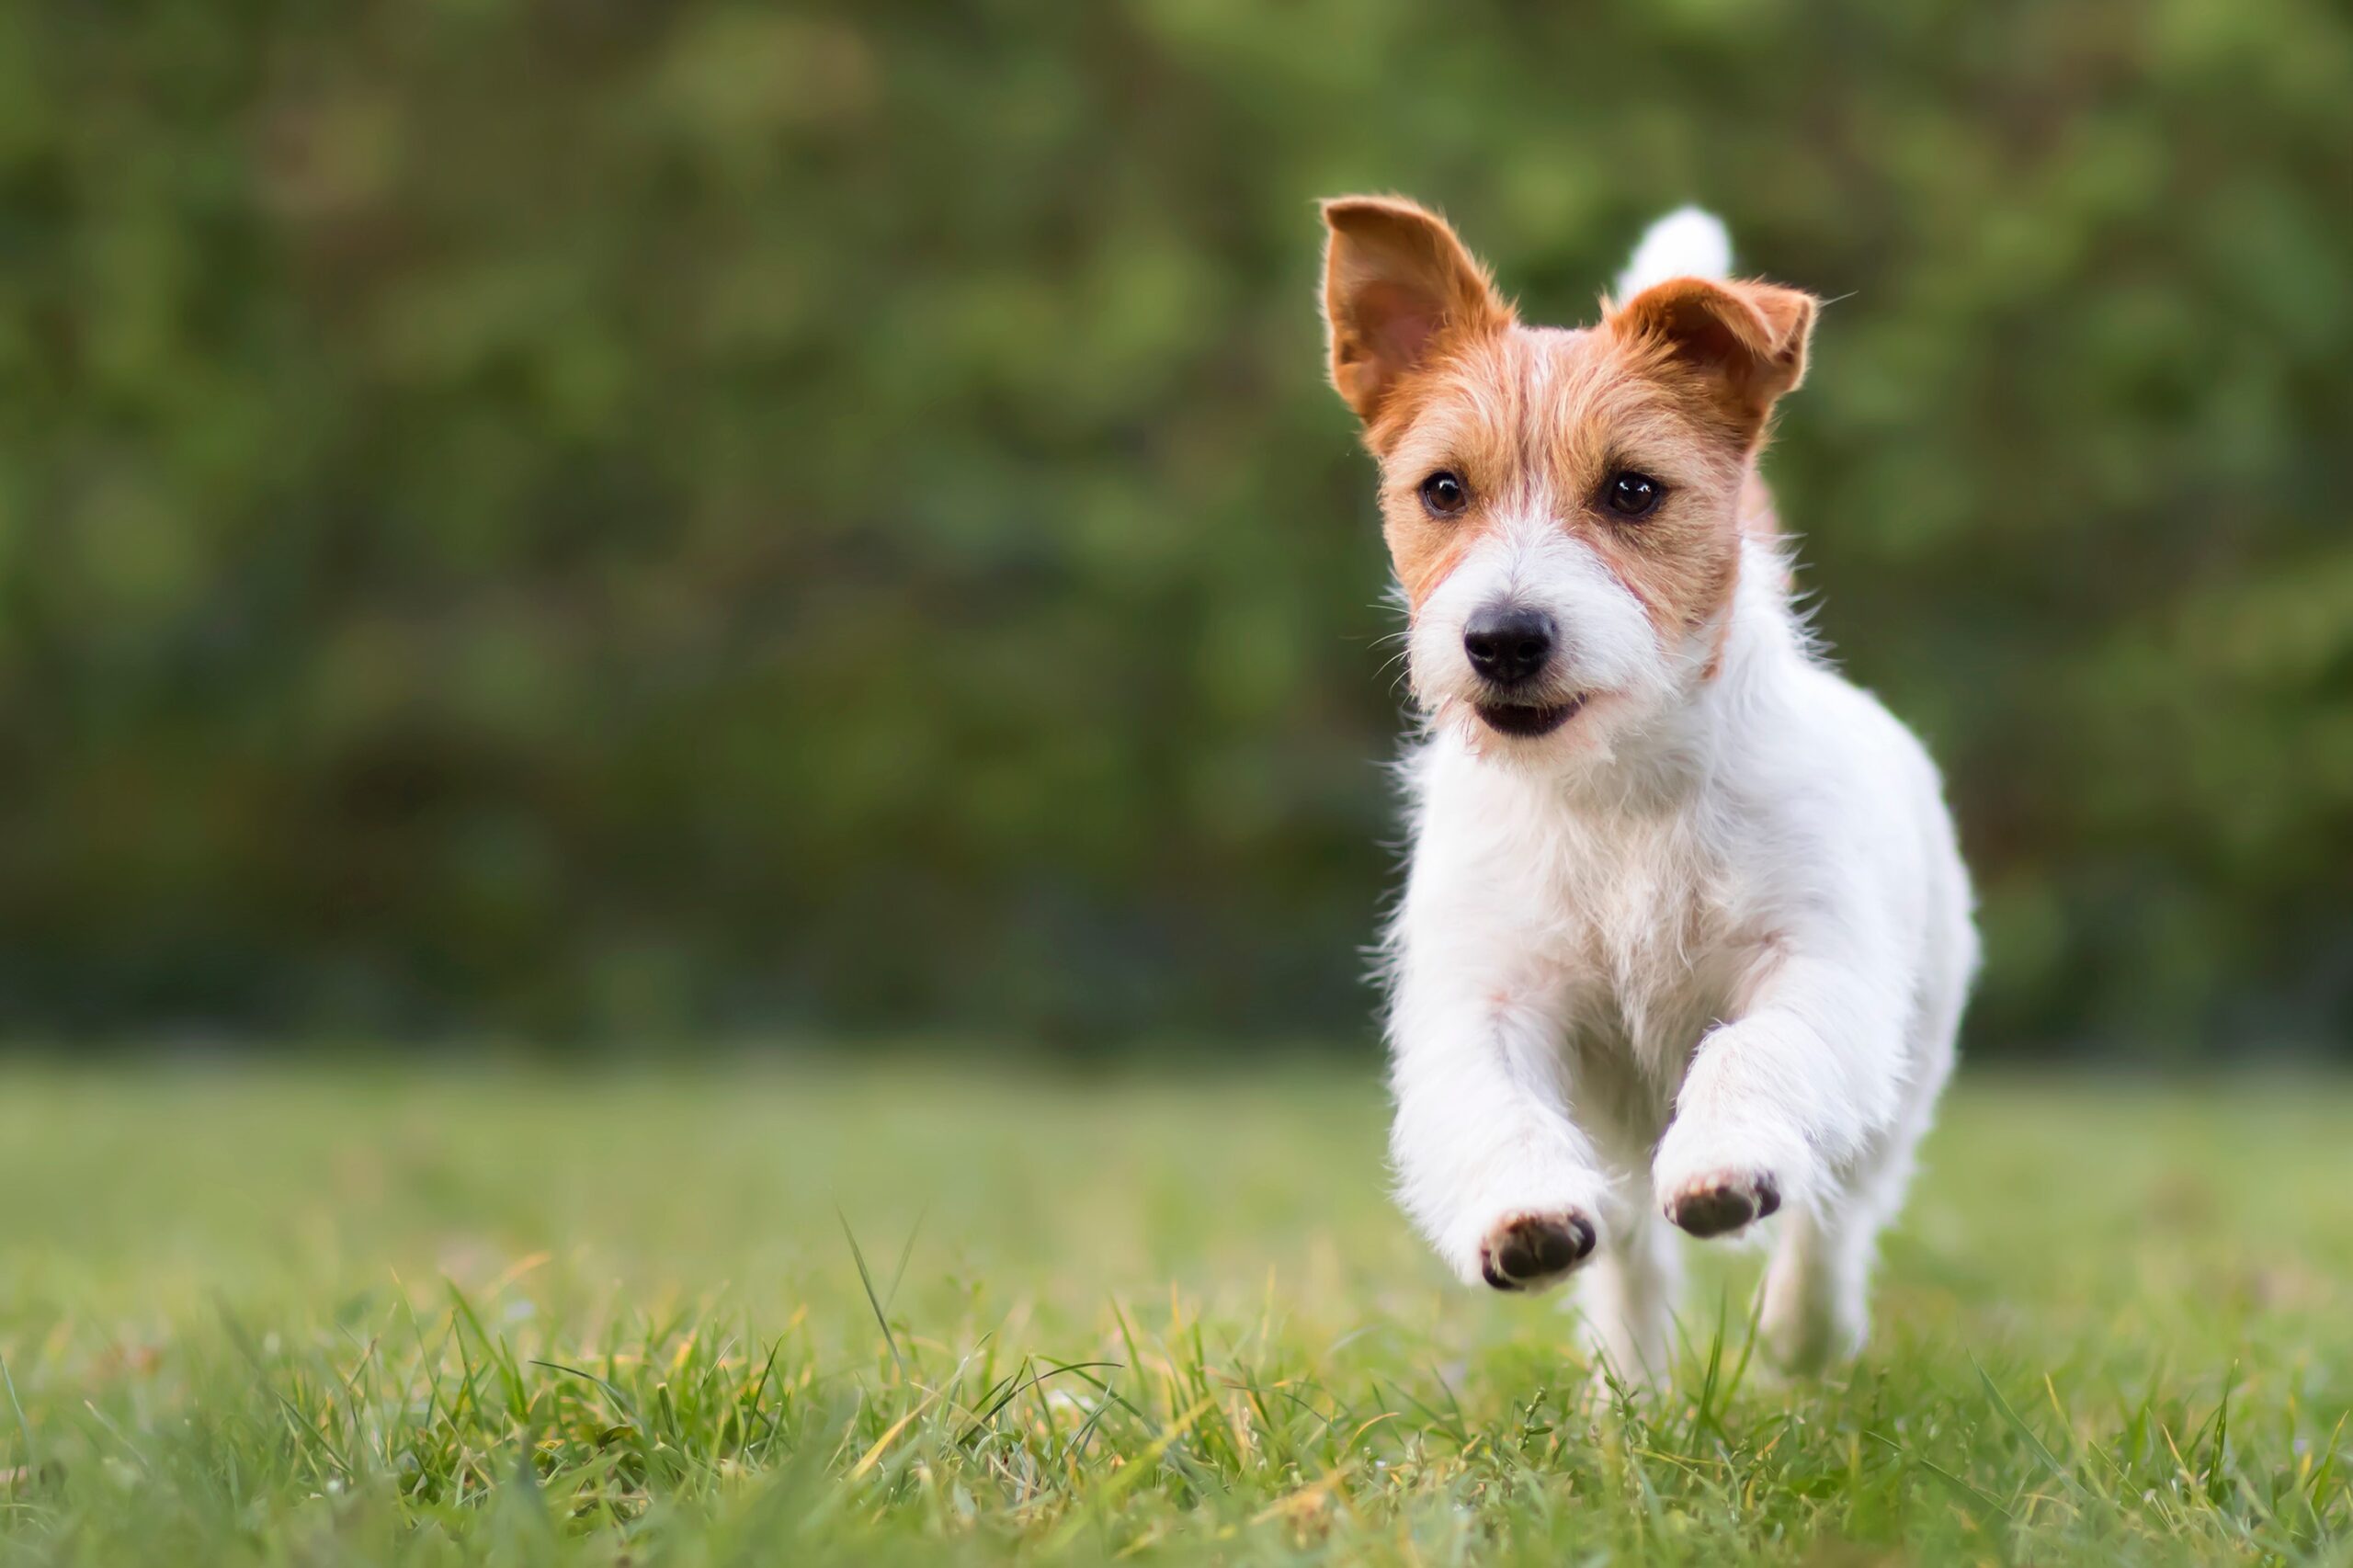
(1632, 494)
(1443, 493)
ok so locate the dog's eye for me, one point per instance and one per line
(1443, 493)
(1632, 494)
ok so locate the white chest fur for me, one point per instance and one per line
(1622, 931)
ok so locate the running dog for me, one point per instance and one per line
(1686, 934)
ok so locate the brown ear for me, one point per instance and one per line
(1395, 281)
(1746, 341)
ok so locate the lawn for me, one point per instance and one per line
(930, 1311)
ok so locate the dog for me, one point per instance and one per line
(1686, 933)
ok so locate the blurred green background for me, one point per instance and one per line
(596, 519)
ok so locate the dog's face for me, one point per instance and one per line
(1564, 508)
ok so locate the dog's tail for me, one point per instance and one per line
(1686, 243)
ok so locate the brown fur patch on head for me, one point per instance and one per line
(1539, 420)
(1676, 385)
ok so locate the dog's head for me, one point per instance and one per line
(1564, 508)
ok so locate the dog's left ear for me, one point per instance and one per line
(1746, 342)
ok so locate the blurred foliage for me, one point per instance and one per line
(591, 517)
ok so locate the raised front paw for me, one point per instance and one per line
(1714, 1176)
(1715, 1203)
(1535, 1252)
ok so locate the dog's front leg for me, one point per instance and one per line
(1799, 1101)
(1489, 1165)
(1780, 1100)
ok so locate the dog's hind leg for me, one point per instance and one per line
(1816, 1311)
(1629, 1297)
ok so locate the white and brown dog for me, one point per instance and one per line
(1685, 936)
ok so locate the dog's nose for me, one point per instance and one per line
(1507, 644)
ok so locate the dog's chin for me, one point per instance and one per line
(1527, 721)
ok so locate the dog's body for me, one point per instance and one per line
(1685, 936)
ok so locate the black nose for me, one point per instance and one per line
(1508, 643)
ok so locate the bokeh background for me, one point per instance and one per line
(594, 521)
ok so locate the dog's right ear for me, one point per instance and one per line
(1396, 282)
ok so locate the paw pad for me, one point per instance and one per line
(1529, 1252)
(1715, 1205)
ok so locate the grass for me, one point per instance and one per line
(945, 1314)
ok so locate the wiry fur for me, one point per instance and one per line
(1710, 939)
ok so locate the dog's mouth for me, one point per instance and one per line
(1526, 720)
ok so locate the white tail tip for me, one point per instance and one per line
(1686, 243)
